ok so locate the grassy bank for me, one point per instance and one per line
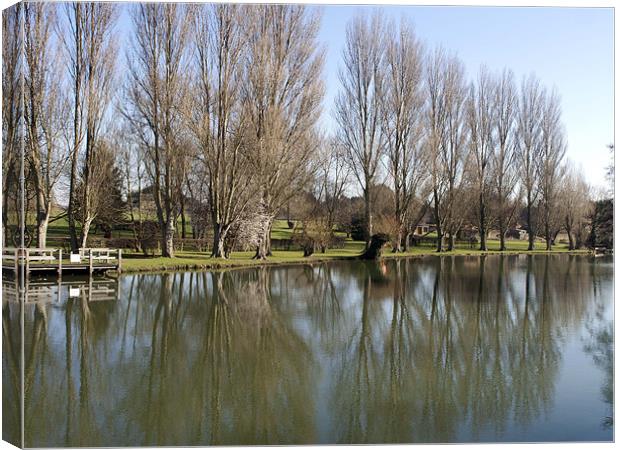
(200, 261)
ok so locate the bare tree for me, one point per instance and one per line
(358, 104)
(333, 179)
(45, 111)
(446, 139)
(552, 167)
(12, 107)
(576, 205)
(453, 153)
(91, 52)
(105, 185)
(435, 123)
(402, 110)
(481, 141)
(504, 153)
(215, 117)
(529, 147)
(156, 91)
(131, 160)
(282, 97)
(73, 44)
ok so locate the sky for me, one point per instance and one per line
(570, 49)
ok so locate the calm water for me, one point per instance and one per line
(460, 349)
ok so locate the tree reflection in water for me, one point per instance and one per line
(441, 349)
(600, 346)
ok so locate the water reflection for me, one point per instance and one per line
(600, 346)
(418, 350)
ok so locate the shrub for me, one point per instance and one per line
(358, 228)
(130, 243)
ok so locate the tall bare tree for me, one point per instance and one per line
(215, 115)
(446, 140)
(529, 147)
(100, 48)
(12, 108)
(454, 155)
(435, 123)
(91, 48)
(402, 126)
(504, 153)
(155, 98)
(481, 141)
(282, 97)
(553, 150)
(576, 205)
(73, 44)
(358, 109)
(45, 110)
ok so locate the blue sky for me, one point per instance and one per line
(569, 48)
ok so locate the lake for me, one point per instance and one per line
(433, 349)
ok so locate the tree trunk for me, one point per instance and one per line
(530, 230)
(85, 230)
(406, 241)
(571, 239)
(438, 224)
(44, 218)
(398, 247)
(483, 226)
(167, 247)
(261, 252)
(268, 239)
(451, 239)
(219, 237)
(70, 212)
(5, 218)
(502, 240)
(548, 237)
(502, 234)
(77, 118)
(261, 248)
(483, 239)
(368, 215)
(183, 235)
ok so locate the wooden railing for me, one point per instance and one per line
(92, 255)
(28, 256)
(33, 257)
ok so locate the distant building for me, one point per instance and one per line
(517, 232)
(426, 225)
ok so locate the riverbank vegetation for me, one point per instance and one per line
(194, 131)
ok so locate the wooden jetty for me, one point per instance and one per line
(46, 260)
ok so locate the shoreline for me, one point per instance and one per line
(145, 266)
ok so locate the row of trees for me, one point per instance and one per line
(219, 103)
(453, 143)
(216, 117)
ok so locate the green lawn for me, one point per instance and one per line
(280, 230)
(197, 260)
